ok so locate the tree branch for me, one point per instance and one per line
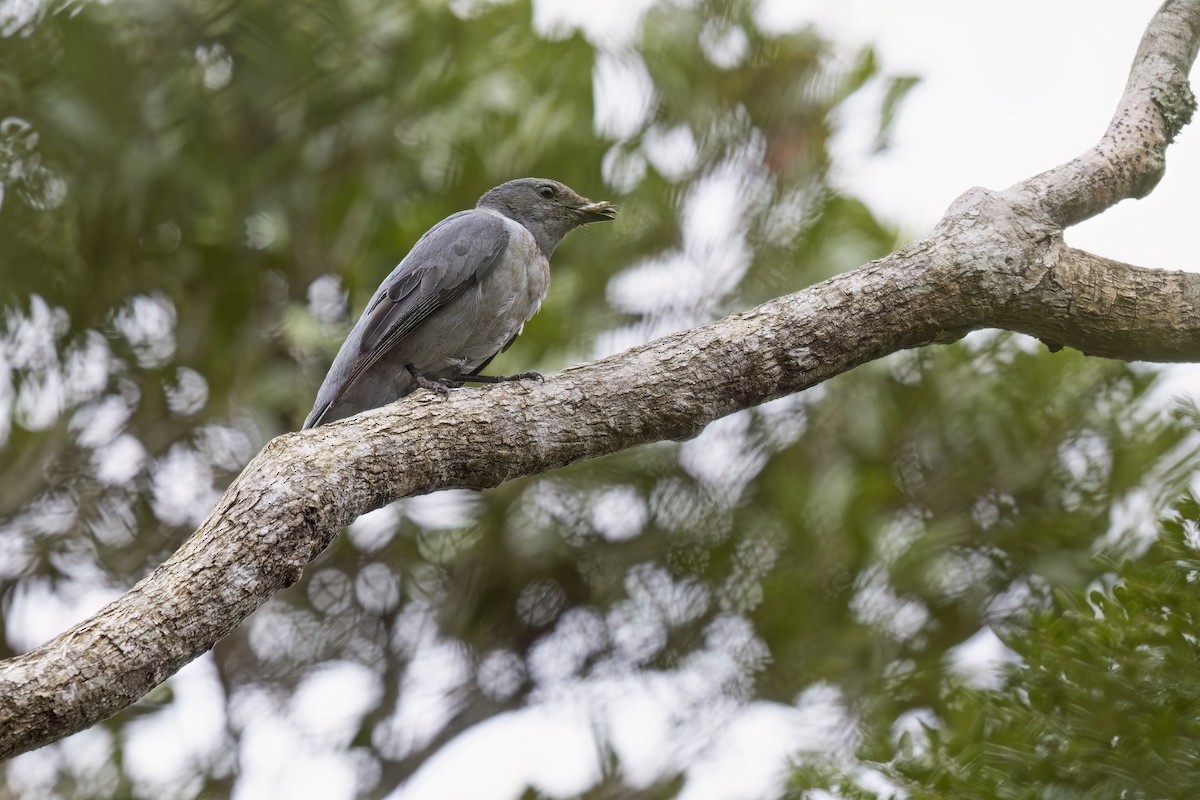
(1129, 160)
(1105, 308)
(996, 259)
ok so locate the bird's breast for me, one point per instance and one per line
(513, 291)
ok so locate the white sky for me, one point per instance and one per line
(1009, 89)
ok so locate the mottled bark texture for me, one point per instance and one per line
(997, 259)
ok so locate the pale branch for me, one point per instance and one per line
(1130, 158)
(997, 259)
(1106, 308)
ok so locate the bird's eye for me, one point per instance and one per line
(548, 192)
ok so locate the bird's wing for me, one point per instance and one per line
(453, 256)
(450, 258)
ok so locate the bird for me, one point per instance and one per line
(459, 298)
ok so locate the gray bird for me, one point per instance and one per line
(459, 297)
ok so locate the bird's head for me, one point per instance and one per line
(549, 209)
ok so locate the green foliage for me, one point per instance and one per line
(1104, 700)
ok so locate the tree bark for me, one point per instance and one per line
(997, 259)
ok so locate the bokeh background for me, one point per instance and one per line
(965, 571)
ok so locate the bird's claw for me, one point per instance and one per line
(437, 387)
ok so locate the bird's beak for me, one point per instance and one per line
(595, 212)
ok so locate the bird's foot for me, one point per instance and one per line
(436, 386)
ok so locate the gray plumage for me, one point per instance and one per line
(459, 297)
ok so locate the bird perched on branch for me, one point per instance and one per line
(460, 297)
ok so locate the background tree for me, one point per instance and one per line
(199, 196)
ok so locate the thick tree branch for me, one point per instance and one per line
(1105, 308)
(996, 260)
